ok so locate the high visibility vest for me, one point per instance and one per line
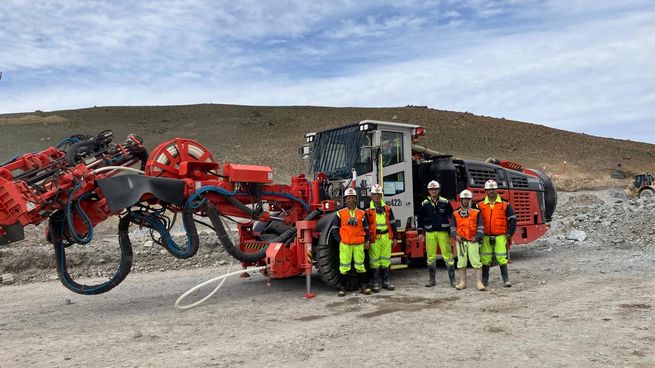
(467, 226)
(374, 224)
(494, 218)
(352, 234)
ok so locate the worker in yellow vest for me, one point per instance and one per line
(383, 235)
(499, 223)
(350, 229)
(467, 229)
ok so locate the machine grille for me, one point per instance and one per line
(518, 182)
(480, 176)
(520, 201)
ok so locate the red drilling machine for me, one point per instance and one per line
(86, 179)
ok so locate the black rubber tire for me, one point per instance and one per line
(327, 252)
(550, 194)
(647, 193)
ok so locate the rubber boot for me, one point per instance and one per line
(451, 275)
(433, 274)
(343, 279)
(363, 286)
(462, 279)
(375, 283)
(485, 275)
(504, 273)
(478, 279)
(385, 279)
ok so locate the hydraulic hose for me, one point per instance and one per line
(56, 226)
(77, 147)
(193, 241)
(225, 240)
(237, 253)
(222, 277)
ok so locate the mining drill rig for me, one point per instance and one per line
(284, 227)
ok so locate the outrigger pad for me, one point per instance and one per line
(123, 191)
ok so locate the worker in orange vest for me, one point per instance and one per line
(467, 229)
(350, 229)
(499, 223)
(384, 235)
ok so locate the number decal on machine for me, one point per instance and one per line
(395, 202)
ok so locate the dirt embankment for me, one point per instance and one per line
(257, 134)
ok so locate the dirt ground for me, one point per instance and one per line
(572, 304)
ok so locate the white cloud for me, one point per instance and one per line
(578, 65)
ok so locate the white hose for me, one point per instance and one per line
(222, 277)
(110, 168)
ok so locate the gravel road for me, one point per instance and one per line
(587, 303)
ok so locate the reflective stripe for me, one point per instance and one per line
(445, 225)
(344, 264)
(375, 259)
(359, 263)
(385, 258)
(485, 253)
(511, 217)
(448, 259)
(501, 254)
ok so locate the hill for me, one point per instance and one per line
(271, 135)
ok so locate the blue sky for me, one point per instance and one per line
(580, 65)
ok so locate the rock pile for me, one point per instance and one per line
(592, 221)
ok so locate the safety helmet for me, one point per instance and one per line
(465, 194)
(376, 189)
(433, 185)
(491, 184)
(349, 192)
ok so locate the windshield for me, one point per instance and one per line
(337, 151)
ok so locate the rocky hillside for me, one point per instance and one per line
(271, 136)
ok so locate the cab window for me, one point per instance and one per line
(394, 184)
(391, 146)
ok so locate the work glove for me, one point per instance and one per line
(509, 240)
(367, 245)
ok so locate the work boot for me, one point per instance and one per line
(376, 280)
(343, 279)
(462, 279)
(485, 275)
(451, 275)
(433, 274)
(503, 272)
(385, 279)
(363, 285)
(478, 279)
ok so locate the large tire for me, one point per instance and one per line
(647, 193)
(550, 194)
(327, 252)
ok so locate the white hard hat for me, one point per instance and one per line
(433, 185)
(465, 194)
(376, 189)
(491, 184)
(350, 192)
